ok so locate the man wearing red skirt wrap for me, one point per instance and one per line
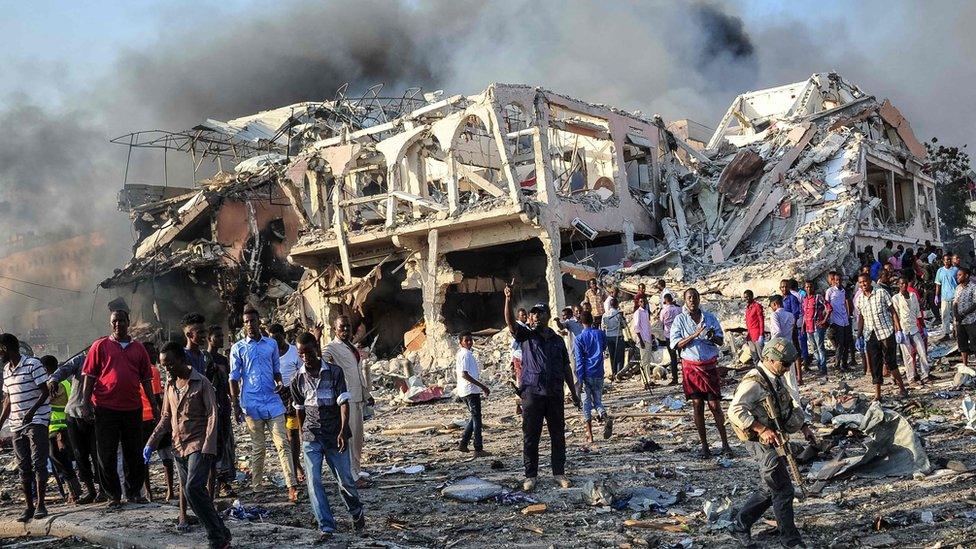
(697, 335)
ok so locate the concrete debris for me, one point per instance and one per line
(472, 489)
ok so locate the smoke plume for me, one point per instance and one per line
(681, 59)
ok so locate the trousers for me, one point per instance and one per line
(615, 347)
(194, 471)
(592, 397)
(113, 427)
(551, 410)
(81, 433)
(356, 437)
(917, 344)
(31, 449)
(257, 428)
(945, 311)
(314, 453)
(773, 489)
(816, 339)
(61, 454)
(473, 428)
(842, 345)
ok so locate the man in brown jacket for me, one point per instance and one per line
(190, 415)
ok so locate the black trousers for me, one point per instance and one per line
(615, 347)
(111, 428)
(194, 471)
(673, 355)
(842, 345)
(535, 410)
(61, 455)
(774, 488)
(81, 433)
(473, 428)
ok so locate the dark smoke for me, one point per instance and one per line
(724, 34)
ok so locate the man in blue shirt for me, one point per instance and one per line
(792, 305)
(945, 290)
(255, 381)
(589, 347)
(697, 334)
(545, 367)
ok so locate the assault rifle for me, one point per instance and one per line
(783, 443)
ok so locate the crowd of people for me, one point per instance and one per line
(180, 403)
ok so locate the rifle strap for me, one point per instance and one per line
(768, 383)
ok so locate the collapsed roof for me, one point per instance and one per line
(796, 180)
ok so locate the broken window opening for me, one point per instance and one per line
(389, 311)
(896, 192)
(638, 163)
(582, 154)
(367, 178)
(476, 302)
(477, 163)
(521, 143)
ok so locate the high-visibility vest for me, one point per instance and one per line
(59, 419)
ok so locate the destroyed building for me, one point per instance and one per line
(412, 213)
(795, 181)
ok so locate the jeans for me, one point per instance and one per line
(535, 410)
(81, 433)
(339, 464)
(111, 428)
(194, 471)
(615, 348)
(917, 344)
(592, 397)
(775, 488)
(31, 449)
(842, 345)
(280, 438)
(816, 338)
(473, 428)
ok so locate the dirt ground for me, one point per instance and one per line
(408, 510)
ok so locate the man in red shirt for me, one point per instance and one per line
(115, 369)
(755, 325)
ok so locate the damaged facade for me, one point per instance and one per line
(412, 213)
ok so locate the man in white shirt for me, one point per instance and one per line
(641, 328)
(469, 389)
(289, 364)
(341, 352)
(908, 310)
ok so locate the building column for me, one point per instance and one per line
(551, 245)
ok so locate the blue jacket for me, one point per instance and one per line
(590, 344)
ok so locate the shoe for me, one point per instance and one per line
(101, 497)
(114, 504)
(26, 515)
(742, 536)
(41, 512)
(608, 428)
(359, 524)
(139, 500)
(528, 484)
(481, 453)
(325, 537)
(795, 544)
(563, 481)
(463, 448)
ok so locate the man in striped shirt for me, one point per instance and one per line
(26, 405)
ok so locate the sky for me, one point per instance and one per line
(75, 74)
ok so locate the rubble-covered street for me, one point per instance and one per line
(412, 457)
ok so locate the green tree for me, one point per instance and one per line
(949, 166)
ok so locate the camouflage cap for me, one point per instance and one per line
(780, 349)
